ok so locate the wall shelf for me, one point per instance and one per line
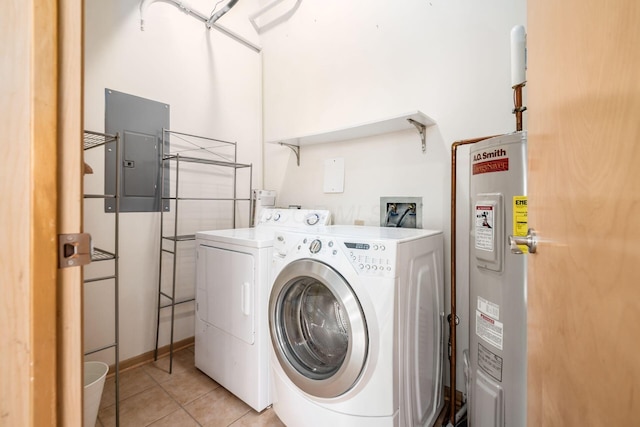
(413, 119)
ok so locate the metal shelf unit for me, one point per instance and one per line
(168, 299)
(92, 140)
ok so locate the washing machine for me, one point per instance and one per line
(356, 320)
(232, 295)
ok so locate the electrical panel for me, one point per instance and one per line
(139, 123)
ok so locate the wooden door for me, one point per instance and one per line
(584, 200)
(40, 183)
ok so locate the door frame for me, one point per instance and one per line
(41, 106)
(70, 208)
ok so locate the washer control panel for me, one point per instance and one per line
(371, 258)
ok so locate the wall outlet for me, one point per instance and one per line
(403, 212)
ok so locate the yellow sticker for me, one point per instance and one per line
(520, 225)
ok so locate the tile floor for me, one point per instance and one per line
(150, 396)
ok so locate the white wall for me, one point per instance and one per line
(213, 86)
(338, 63)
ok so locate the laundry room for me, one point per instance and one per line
(302, 68)
(301, 213)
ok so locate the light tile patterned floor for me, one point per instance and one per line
(150, 396)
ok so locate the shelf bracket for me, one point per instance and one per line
(294, 148)
(422, 129)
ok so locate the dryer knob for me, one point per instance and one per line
(276, 217)
(312, 219)
(315, 246)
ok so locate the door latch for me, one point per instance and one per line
(530, 241)
(74, 249)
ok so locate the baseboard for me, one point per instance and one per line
(147, 357)
(447, 393)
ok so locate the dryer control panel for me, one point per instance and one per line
(293, 218)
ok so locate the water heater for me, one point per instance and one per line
(497, 382)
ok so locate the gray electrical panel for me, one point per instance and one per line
(139, 122)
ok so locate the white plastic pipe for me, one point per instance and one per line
(518, 56)
(144, 4)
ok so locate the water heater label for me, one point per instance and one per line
(490, 362)
(489, 329)
(484, 227)
(489, 308)
(490, 161)
(499, 165)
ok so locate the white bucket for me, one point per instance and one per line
(94, 376)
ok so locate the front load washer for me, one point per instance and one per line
(232, 295)
(356, 322)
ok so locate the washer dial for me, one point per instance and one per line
(315, 246)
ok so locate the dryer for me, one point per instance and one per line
(232, 292)
(356, 318)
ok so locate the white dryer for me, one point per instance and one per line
(232, 295)
(356, 321)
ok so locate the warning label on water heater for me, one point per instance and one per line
(484, 227)
(489, 329)
(520, 222)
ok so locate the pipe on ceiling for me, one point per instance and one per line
(186, 8)
(215, 16)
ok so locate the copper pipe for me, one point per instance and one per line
(518, 109)
(452, 323)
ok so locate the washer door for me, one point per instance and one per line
(318, 329)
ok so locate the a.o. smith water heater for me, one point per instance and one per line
(497, 283)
